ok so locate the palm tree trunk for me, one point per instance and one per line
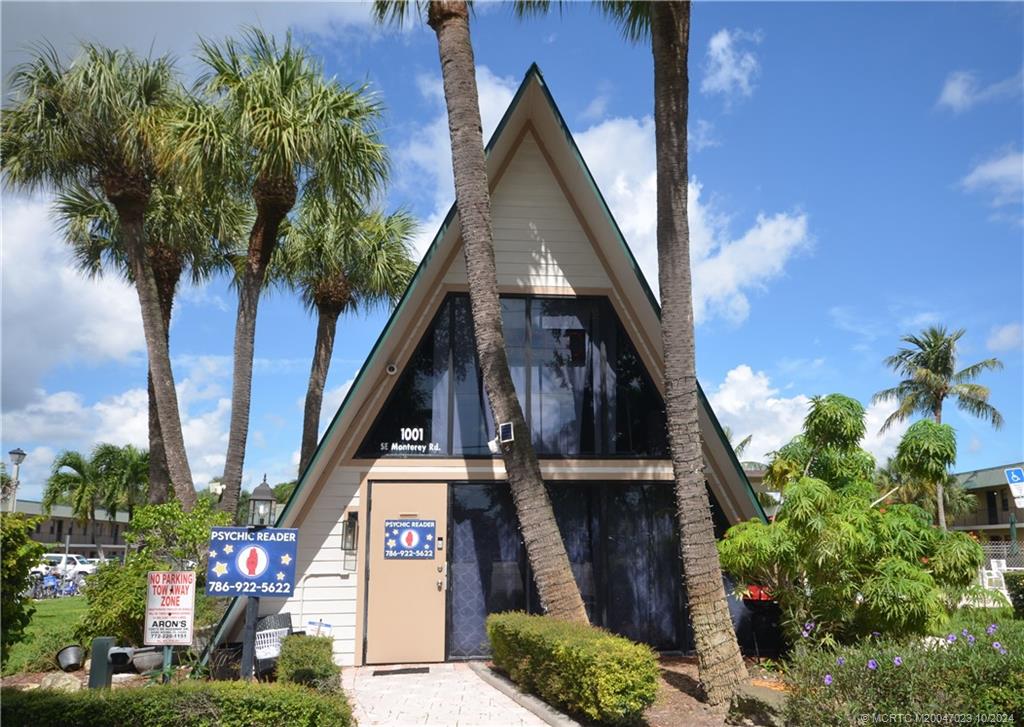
(720, 664)
(167, 273)
(940, 490)
(559, 594)
(326, 326)
(261, 245)
(131, 213)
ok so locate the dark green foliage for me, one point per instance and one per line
(42, 647)
(1015, 587)
(927, 450)
(933, 678)
(189, 704)
(577, 667)
(167, 533)
(309, 660)
(834, 421)
(19, 553)
(117, 600)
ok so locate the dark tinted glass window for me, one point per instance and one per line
(582, 386)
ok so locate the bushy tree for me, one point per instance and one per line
(840, 564)
(19, 553)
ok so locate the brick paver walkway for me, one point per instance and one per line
(449, 695)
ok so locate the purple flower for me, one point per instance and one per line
(809, 626)
(897, 660)
(872, 664)
(951, 638)
(964, 632)
(805, 634)
(875, 634)
(1003, 652)
(991, 629)
(840, 661)
(996, 645)
(970, 639)
(827, 680)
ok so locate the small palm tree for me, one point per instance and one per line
(94, 123)
(74, 479)
(737, 447)
(449, 19)
(124, 472)
(185, 234)
(929, 370)
(274, 128)
(340, 259)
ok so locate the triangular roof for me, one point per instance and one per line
(532, 110)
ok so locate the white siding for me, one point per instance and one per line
(538, 240)
(324, 589)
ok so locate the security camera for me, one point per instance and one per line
(392, 369)
(494, 446)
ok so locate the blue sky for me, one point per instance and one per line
(856, 175)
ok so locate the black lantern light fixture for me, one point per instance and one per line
(261, 505)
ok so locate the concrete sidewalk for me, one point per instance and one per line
(447, 695)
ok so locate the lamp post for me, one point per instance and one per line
(261, 511)
(17, 457)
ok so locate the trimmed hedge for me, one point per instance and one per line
(578, 667)
(1015, 587)
(189, 704)
(309, 660)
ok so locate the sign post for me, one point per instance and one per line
(253, 562)
(170, 612)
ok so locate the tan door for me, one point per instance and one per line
(405, 614)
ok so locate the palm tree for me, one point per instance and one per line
(449, 19)
(740, 447)
(275, 128)
(94, 123)
(928, 368)
(74, 479)
(896, 486)
(667, 25)
(340, 258)
(124, 472)
(185, 233)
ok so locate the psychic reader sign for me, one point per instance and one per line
(252, 562)
(409, 539)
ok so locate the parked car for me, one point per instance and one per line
(64, 565)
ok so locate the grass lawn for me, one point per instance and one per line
(50, 615)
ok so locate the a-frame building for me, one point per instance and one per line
(407, 534)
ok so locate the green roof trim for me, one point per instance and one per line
(985, 478)
(533, 72)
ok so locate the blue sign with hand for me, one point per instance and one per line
(409, 539)
(252, 562)
(1014, 476)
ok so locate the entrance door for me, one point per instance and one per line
(405, 614)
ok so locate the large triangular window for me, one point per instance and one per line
(582, 386)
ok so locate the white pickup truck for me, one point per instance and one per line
(65, 565)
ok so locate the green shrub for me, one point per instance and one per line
(1015, 587)
(41, 647)
(19, 554)
(578, 667)
(189, 704)
(962, 673)
(117, 600)
(309, 660)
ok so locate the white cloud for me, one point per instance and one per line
(749, 404)
(53, 314)
(596, 108)
(702, 136)
(729, 69)
(962, 90)
(1001, 176)
(620, 153)
(1006, 338)
(425, 160)
(331, 403)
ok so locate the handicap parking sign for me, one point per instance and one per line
(1014, 475)
(409, 539)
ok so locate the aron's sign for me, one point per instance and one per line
(170, 608)
(409, 539)
(250, 562)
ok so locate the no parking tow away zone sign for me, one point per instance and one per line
(170, 608)
(249, 562)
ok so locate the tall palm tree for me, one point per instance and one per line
(95, 123)
(449, 19)
(276, 127)
(185, 234)
(737, 447)
(340, 258)
(75, 479)
(928, 368)
(667, 25)
(124, 472)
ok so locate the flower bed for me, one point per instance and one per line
(977, 669)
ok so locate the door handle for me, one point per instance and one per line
(440, 584)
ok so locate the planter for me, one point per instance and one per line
(71, 658)
(147, 660)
